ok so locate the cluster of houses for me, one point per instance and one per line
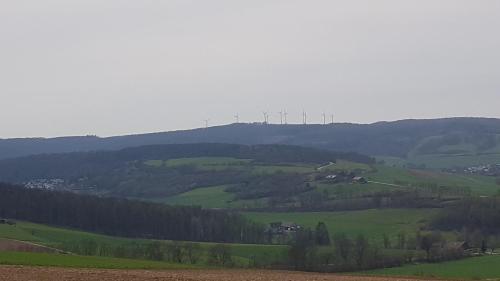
(492, 170)
(345, 177)
(485, 170)
(281, 228)
(49, 184)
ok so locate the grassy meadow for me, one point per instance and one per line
(66, 239)
(479, 185)
(478, 268)
(382, 178)
(75, 261)
(226, 163)
(371, 223)
(208, 197)
(212, 197)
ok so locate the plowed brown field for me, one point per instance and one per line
(20, 246)
(20, 273)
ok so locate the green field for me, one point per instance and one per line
(461, 154)
(52, 236)
(479, 185)
(442, 161)
(348, 166)
(372, 223)
(226, 163)
(438, 161)
(66, 239)
(485, 268)
(208, 163)
(384, 178)
(212, 197)
(208, 197)
(348, 190)
(59, 260)
(388, 176)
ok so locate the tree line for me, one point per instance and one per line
(347, 254)
(174, 252)
(127, 218)
(482, 214)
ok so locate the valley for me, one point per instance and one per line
(351, 199)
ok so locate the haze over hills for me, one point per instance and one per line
(396, 139)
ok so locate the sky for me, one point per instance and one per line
(112, 67)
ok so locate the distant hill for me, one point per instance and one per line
(241, 177)
(404, 138)
(67, 165)
(161, 170)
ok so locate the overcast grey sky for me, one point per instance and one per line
(107, 67)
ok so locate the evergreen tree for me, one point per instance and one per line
(322, 234)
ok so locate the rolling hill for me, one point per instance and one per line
(415, 141)
(265, 177)
(163, 170)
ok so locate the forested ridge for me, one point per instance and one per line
(67, 165)
(127, 218)
(396, 138)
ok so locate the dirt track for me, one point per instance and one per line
(20, 273)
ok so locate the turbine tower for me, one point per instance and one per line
(332, 118)
(237, 117)
(206, 123)
(304, 117)
(281, 113)
(324, 118)
(285, 114)
(266, 117)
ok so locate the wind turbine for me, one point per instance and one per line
(206, 123)
(281, 117)
(266, 117)
(304, 117)
(324, 118)
(237, 117)
(286, 115)
(332, 118)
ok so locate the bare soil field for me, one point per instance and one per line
(19, 246)
(20, 273)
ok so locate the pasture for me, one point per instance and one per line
(212, 197)
(72, 240)
(227, 163)
(479, 185)
(478, 268)
(75, 261)
(371, 223)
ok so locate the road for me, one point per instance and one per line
(388, 184)
(326, 166)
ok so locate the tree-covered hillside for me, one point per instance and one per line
(165, 170)
(67, 165)
(126, 218)
(397, 139)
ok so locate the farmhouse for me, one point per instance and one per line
(342, 176)
(291, 227)
(332, 177)
(359, 180)
(284, 228)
